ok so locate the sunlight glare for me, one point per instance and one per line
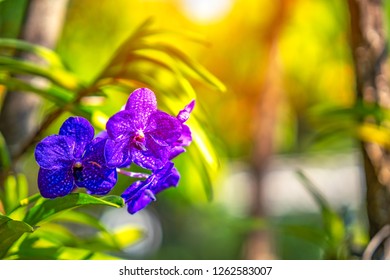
(206, 11)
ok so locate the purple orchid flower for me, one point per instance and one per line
(141, 133)
(73, 159)
(139, 194)
(185, 138)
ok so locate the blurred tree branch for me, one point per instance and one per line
(259, 243)
(376, 241)
(369, 49)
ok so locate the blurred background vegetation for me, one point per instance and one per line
(275, 170)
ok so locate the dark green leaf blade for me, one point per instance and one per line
(51, 207)
(15, 189)
(11, 231)
(333, 224)
(80, 218)
(114, 241)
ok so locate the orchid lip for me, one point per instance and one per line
(140, 136)
(78, 171)
(138, 140)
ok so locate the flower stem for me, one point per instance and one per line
(132, 174)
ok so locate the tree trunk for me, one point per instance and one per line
(369, 47)
(18, 118)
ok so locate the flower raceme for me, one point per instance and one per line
(139, 134)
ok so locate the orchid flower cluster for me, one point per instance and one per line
(139, 134)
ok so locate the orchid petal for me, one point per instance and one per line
(96, 177)
(143, 103)
(55, 182)
(80, 130)
(54, 152)
(163, 128)
(121, 126)
(117, 154)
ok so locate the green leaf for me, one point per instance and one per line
(80, 218)
(116, 241)
(28, 200)
(50, 207)
(60, 253)
(306, 232)
(15, 189)
(164, 57)
(319, 198)
(50, 234)
(56, 75)
(69, 253)
(133, 42)
(45, 53)
(207, 156)
(5, 159)
(56, 241)
(59, 96)
(192, 65)
(333, 224)
(137, 48)
(169, 64)
(10, 232)
(51, 93)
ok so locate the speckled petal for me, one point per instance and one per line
(175, 151)
(140, 202)
(117, 154)
(81, 130)
(186, 136)
(154, 157)
(54, 152)
(121, 125)
(133, 189)
(55, 182)
(164, 128)
(139, 194)
(96, 177)
(166, 177)
(143, 103)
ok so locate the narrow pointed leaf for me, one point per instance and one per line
(5, 159)
(120, 239)
(56, 75)
(45, 53)
(56, 95)
(59, 96)
(333, 223)
(80, 218)
(10, 232)
(192, 65)
(15, 189)
(50, 207)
